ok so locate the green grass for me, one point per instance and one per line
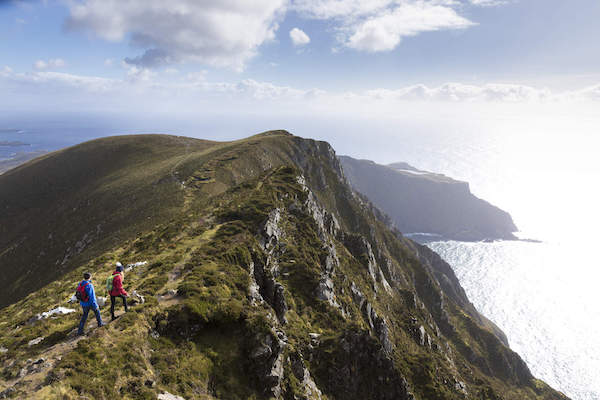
(202, 240)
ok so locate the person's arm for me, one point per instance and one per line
(92, 296)
(118, 285)
(123, 292)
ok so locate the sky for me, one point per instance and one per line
(272, 61)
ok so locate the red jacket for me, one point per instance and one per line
(117, 289)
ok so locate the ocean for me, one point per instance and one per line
(545, 174)
(545, 296)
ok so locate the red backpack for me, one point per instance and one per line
(80, 293)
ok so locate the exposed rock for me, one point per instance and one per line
(253, 287)
(3, 350)
(358, 367)
(130, 267)
(309, 387)
(357, 295)
(460, 387)
(325, 290)
(35, 341)
(137, 298)
(314, 338)
(59, 311)
(378, 326)
(33, 367)
(7, 393)
(271, 230)
(361, 249)
(267, 364)
(422, 337)
(265, 272)
(169, 396)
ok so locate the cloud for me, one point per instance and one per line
(459, 92)
(330, 9)
(488, 3)
(299, 38)
(53, 63)
(385, 31)
(212, 32)
(49, 82)
(380, 25)
(146, 90)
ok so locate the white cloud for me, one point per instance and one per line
(380, 25)
(142, 89)
(109, 62)
(213, 32)
(40, 64)
(459, 92)
(53, 63)
(328, 9)
(488, 3)
(385, 31)
(49, 82)
(299, 38)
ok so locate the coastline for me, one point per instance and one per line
(18, 159)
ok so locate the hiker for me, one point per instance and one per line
(116, 289)
(87, 298)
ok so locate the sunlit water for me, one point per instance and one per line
(543, 295)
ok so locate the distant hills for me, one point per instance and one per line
(256, 273)
(423, 202)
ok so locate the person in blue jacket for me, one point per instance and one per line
(87, 289)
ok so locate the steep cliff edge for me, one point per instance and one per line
(419, 201)
(266, 277)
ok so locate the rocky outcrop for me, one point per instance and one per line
(358, 367)
(361, 249)
(308, 386)
(266, 362)
(266, 269)
(419, 201)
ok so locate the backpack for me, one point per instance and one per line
(109, 283)
(80, 293)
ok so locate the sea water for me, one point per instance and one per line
(545, 296)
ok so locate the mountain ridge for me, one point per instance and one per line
(267, 277)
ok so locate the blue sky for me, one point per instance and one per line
(548, 43)
(380, 56)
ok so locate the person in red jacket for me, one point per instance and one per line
(117, 290)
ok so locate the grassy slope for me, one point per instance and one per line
(197, 343)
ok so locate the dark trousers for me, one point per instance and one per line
(86, 310)
(112, 305)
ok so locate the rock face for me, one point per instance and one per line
(274, 281)
(419, 201)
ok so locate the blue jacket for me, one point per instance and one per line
(89, 289)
